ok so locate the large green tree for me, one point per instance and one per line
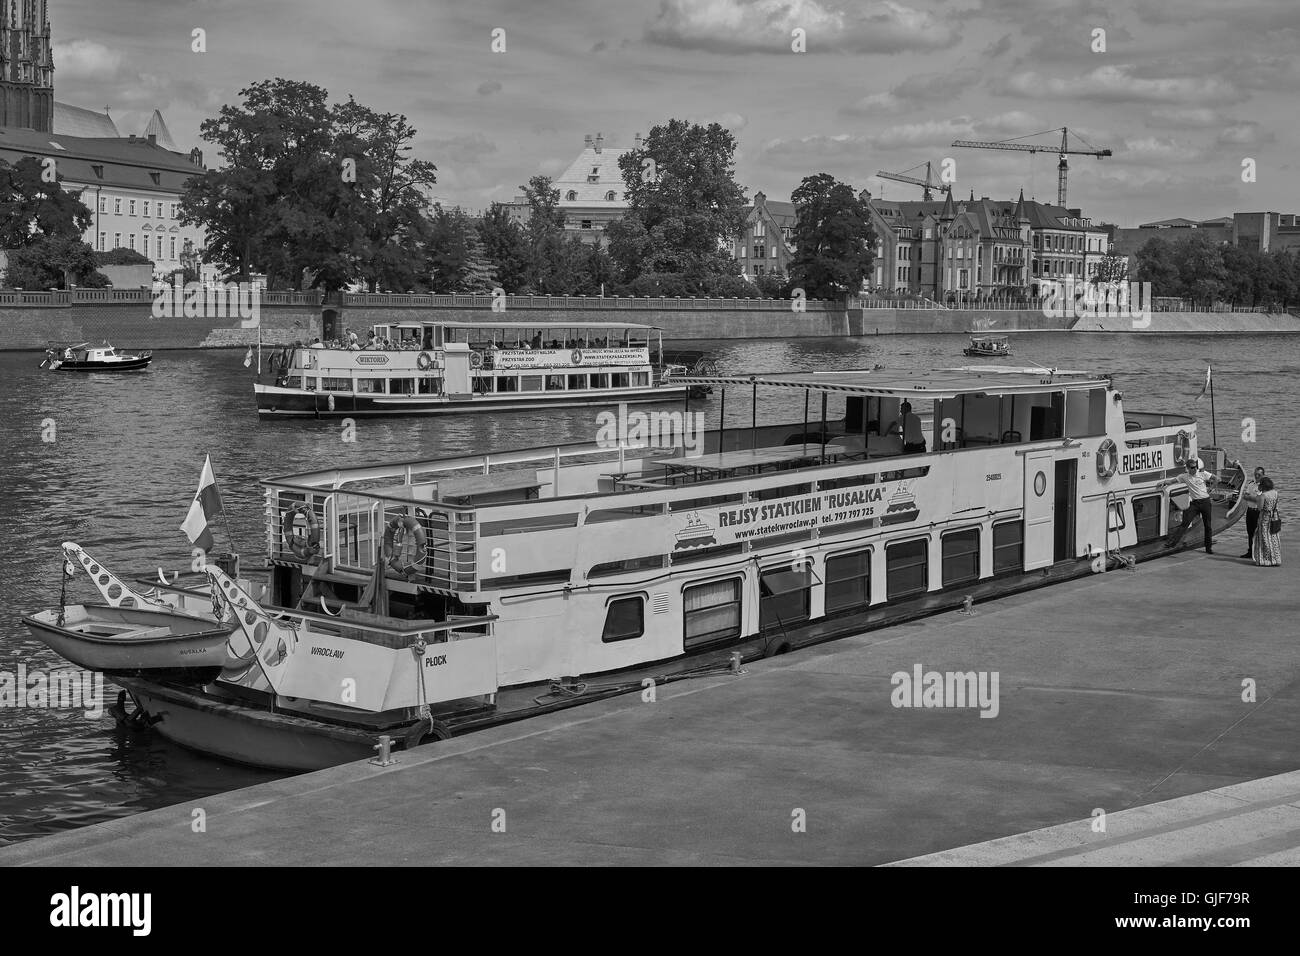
(833, 238)
(505, 246)
(32, 208)
(685, 211)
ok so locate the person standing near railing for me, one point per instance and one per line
(1197, 482)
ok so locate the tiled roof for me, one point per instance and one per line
(602, 167)
(75, 121)
(158, 129)
(127, 163)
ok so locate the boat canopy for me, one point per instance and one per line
(938, 384)
(488, 324)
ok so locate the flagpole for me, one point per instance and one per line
(1214, 432)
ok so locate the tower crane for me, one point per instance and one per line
(928, 184)
(1062, 167)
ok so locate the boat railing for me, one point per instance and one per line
(1142, 421)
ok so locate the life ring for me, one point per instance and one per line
(425, 361)
(391, 557)
(576, 356)
(476, 359)
(302, 549)
(1107, 459)
(1182, 447)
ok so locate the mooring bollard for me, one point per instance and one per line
(735, 662)
(385, 748)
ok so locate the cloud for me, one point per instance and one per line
(1167, 149)
(999, 49)
(1121, 84)
(766, 26)
(1196, 117)
(488, 87)
(86, 60)
(915, 91)
(460, 149)
(1245, 133)
(730, 120)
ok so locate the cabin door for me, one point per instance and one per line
(456, 372)
(1040, 528)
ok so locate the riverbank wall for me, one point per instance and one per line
(29, 320)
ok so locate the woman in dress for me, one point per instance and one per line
(1267, 551)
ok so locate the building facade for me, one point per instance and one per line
(765, 245)
(26, 66)
(592, 192)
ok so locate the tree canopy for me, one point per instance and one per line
(833, 238)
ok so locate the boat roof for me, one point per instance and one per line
(942, 383)
(558, 324)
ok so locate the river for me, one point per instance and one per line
(124, 463)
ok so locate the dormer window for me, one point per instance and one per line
(571, 195)
(609, 196)
(98, 171)
(156, 177)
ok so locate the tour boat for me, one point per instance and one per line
(129, 633)
(426, 368)
(988, 346)
(87, 358)
(426, 599)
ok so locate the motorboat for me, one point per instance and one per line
(88, 358)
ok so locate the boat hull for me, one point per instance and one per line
(982, 353)
(143, 640)
(276, 402)
(126, 365)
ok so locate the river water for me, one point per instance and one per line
(124, 463)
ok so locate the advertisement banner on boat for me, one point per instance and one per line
(826, 509)
(574, 358)
(373, 678)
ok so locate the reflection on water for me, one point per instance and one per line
(128, 449)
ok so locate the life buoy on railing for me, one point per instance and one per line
(1182, 447)
(425, 361)
(392, 553)
(303, 548)
(476, 359)
(1107, 459)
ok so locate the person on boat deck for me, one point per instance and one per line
(1250, 494)
(908, 427)
(1267, 547)
(1197, 482)
(316, 343)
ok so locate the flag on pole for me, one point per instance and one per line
(248, 358)
(1206, 386)
(205, 507)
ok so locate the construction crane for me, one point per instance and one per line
(1062, 168)
(928, 184)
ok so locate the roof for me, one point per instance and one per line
(75, 121)
(157, 128)
(945, 383)
(601, 166)
(127, 163)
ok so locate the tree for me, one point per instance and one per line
(543, 239)
(480, 276)
(1111, 268)
(1155, 264)
(32, 209)
(1201, 270)
(505, 247)
(53, 262)
(833, 238)
(685, 211)
(773, 285)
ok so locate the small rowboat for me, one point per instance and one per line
(126, 640)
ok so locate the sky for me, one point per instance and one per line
(1183, 91)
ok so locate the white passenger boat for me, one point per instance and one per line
(425, 599)
(426, 368)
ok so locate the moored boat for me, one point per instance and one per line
(464, 592)
(88, 358)
(426, 368)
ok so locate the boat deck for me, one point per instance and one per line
(1119, 691)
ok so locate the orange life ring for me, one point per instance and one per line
(425, 361)
(302, 549)
(1107, 459)
(391, 556)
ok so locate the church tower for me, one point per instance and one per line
(26, 66)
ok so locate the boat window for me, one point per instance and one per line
(848, 481)
(600, 381)
(640, 379)
(694, 504)
(336, 384)
(401, 386)
(1008, 546)
(555, 383)
(906, 568)
(622, 514)
(370, 386)
(507, 383)
(785, 596)
(1044, 412)
(558, 576)
(618, 380)
(625, 566)
(1146, 517)
(783, 491)
(1085, 412)
(577, 381)
(712, 611)
(1116, 519)
(530, 383)
(961, 557)
(624, 619)
(848, 581)
(489, 529)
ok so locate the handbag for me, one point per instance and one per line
(1274, 523)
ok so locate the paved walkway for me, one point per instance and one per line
(1122, 691)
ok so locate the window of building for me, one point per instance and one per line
(571, 195)
(712, 611)
(1008, 547)
(171, 249)
(131, 241)
(758, 269)
(158, 247)
(586, 224)
(102, 236)
(906, 571)
(760, 251)
(760, 229)
(176, 210)
(117, 207)
(624, 619)
(145, 209)
(848, 581)
(156, 177)
(103, 205)
(961, 557)
(131, 204)
(609, 196)
(117, 240)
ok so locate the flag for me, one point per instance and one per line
(1206, 386)
(248, 358)
(206, 506)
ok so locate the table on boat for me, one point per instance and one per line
(744, 460)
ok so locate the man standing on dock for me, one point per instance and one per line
(1197, 482)
(1250, 491)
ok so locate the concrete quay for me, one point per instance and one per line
(1160, 696)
